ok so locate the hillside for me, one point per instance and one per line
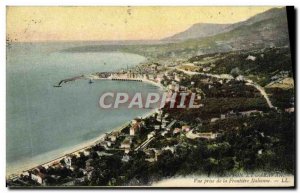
(200, 30)
(268, 29)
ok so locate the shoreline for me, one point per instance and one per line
(62, 152)
(80, 147)
(75, 151)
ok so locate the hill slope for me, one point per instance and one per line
(268, 29)
(201, 30)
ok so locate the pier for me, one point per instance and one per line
(127, 79)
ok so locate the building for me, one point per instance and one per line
(125, 158)
(152, 154)
(183, 88)
(156, 127)
(240, 78)
(223, 116)
(289, 110)
(136, 120)
(126, 144)
(151, 77)
(252, 58)
(150, 135)
(186, 128)
(163, 133)
(127, 150)
(208, 135)
(26, 173)
(176, 130)
(103, 153)
(108, 143)
(177, 78)
(68, 160)
(206, 69)
(164, 120)
(134, 129)
(113, 137)
(170, 125)
(248, 113)
(38, 177)
(159, 117)
(86, 153)
(171, 87)
(177, 88)
(212, 120)
(168, 148)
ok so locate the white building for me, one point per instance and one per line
(125, 158)
(38, 177)
(206, 69)
(86, 152)
(289, 110)
(240, 78)
(248, 113)
(113, 137)
(151, 134)
(172, 149)
(68, 160)
(253, 58)
(163, 133)
(212, 120)
(208, 135)
(126, 144)
(134, 129)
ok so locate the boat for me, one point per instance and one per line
(91, 81)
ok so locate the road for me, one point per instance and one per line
(228, 76)
(144, 144)
(262, 92)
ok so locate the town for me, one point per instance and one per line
(231, 130)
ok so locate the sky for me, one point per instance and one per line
(30, 24)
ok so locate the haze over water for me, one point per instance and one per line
(44, 122)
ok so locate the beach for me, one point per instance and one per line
(75, 150)
(46, 122)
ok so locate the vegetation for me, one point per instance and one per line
(267, 63)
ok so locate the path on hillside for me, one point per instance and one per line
(229, 77)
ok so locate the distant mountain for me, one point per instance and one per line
(264, 30)
(202, 30)
(269, 14)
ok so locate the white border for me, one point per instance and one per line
(4, 3)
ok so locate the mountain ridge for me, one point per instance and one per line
(202, 30)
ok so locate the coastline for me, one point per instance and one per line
(61, 153)
(58, 154)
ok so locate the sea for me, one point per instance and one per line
(44, 122)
